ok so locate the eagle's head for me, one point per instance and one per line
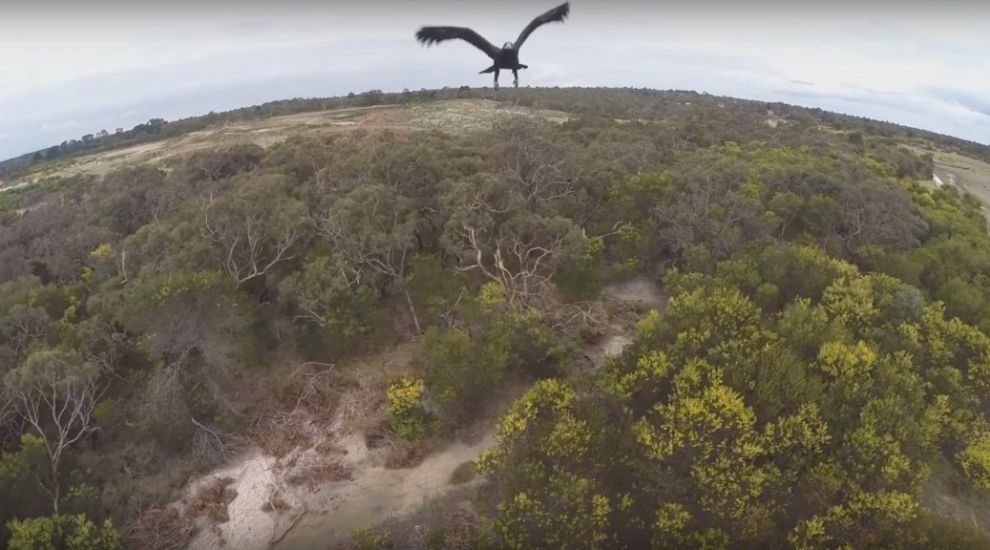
(507, 46)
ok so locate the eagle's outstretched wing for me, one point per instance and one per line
(435, 35)
(557, 14)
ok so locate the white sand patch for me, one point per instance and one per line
(639, 292)
(255, 480)
(377, 494)
(614, 344)
(314, 519)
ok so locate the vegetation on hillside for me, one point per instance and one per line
(619, 103)
(824, 349)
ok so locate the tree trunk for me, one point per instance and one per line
(55, 489)
(412, 310)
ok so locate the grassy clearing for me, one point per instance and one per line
(453, 115)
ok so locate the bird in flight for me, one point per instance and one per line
(506, 57)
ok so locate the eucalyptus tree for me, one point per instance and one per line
(55, 392)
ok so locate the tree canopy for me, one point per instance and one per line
(824, 353)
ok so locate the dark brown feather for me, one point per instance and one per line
(557, 14)
(435, 35)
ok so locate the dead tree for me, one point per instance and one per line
(24, 326)
(55, 392)
(521, 255)
(255, 228)
(535, 167)
(213, 445)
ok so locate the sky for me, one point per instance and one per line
(73, 68)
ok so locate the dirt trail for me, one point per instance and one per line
(377, 494)
(640, 292)
(328, 514)
(318, 517)
(640, 289)
(250, 526)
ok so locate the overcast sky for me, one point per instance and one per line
(67, 69)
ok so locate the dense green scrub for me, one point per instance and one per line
(824, 348)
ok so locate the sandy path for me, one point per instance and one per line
(318, 519)
(374, 494)
(377, 494)
(640, 291)
(254, 476)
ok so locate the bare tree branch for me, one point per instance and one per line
(255, 228)
(55, 392)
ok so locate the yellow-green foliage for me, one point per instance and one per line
(19, 471)
(573, 516)
(370, 539)
(711, 423)
(62, 533)
(548, 400)
(851, 301)
(671, 532)
(867, 520)
(491, 295)
(176, 284)
(102, 252)
(975, 458)
(726, 423)
(405, 407)
(846, 363)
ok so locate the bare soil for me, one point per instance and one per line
(377, 494)
(629, 298)
(641, 290)
(966, 173)
(459, 115)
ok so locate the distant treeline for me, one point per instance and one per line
(569, 99)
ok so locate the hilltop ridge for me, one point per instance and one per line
(157, 128)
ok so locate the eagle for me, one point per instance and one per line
(506, 57)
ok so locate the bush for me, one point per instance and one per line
(370, 539)
(456, 379)
(975, 459)
(582, 277)
(62, 532)
(405, 407)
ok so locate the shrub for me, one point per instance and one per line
(975, 459)
(62, 531)
(405, 407)
(456, 379)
